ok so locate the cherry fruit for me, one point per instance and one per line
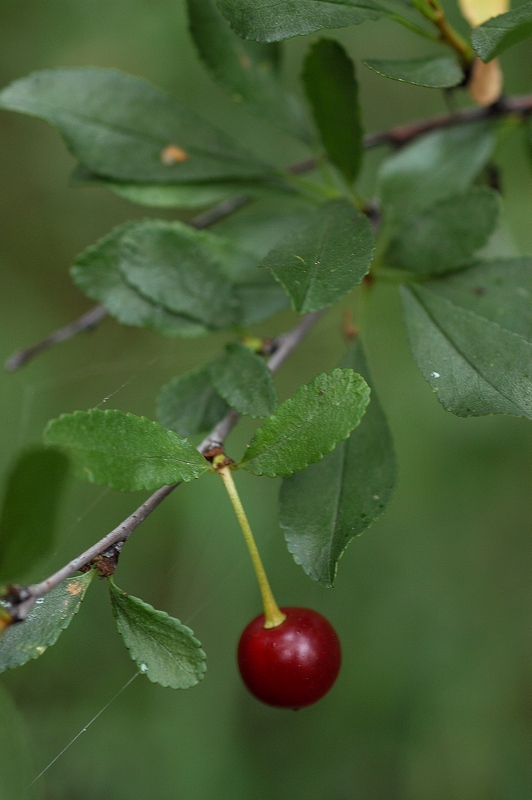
(293, 664)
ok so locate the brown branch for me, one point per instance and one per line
(22, 599)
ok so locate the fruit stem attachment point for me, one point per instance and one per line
(273, 616)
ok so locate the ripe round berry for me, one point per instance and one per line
(292, 665)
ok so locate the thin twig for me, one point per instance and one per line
(91, 318)
(22, 599)
(86, 322)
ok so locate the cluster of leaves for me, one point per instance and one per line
(469, 321)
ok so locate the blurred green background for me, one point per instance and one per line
(432, 604)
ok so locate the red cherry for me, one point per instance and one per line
(292, 665)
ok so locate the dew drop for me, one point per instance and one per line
(434, 374)
(143, 667)
(39, 601)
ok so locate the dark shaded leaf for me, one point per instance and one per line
(96, 272)
(303, 429)
(28, 518)
(332, 90)
(190, 404)
(434, 167)
(244, 380)
(248, 71)
(322, 508)
(271, 20)
(48, 618)
(325, 257)
(499, 33)
(435, 72)
(168, 263)
(14, 749)
(125, 128)
(123, 451)
(164, 649)
(445, 236)
(476, 366)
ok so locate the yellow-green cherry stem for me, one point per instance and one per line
(273, 616)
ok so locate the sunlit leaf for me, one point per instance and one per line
(123, 451)
(45, 622)
(164, 649)
(322, 508)
(310, 424)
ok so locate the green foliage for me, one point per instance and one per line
(123, 451)
(190, 404)
(325, 257)
(434, 167)
(498, 34)
(332, 90)
(45, 622)
(435, 72)
(243, 379)
(322, 508)
(120, 127)
(164, 649)
(248, 71)
(475, 365)
(14, 750)
(271, 20)
(27, 529)
(445, 236)
(307, 426)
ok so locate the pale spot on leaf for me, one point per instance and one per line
(173, 155)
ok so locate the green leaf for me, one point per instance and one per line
(123, 451)
(16, 766)
(325, 257)
(168, 263)
(435, 72)
(28, 518)
(332, 91)
(322, 508)
(248, 71)
(166, 195)
(244, 380)
(434, 167)
(499, 33)
(445, 236)
(303, 429)
(96, 272)
(190, 404)
(271, 20)
(122, 127)
(475, 365)
(48, 618)
(164, 649)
